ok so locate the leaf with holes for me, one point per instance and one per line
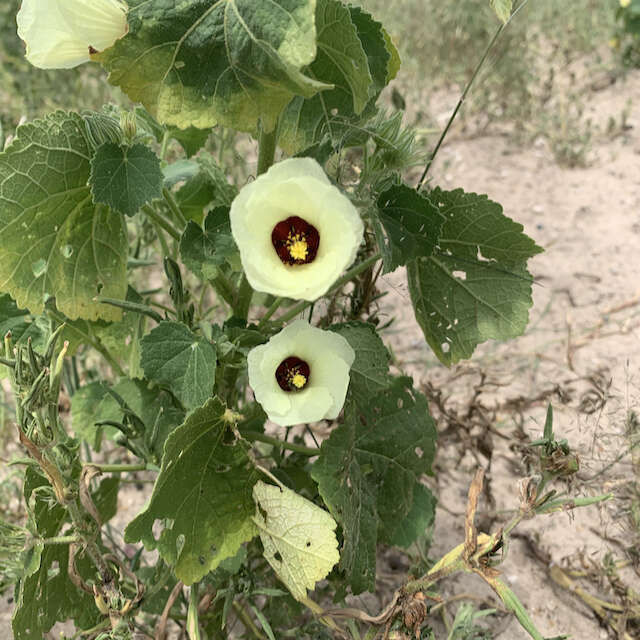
(411, 225)
(355, 55)
(502, 8)
(183, 362)
(227, 62)
(368, 474)
(54, 241)
(369, 372)
(204, 491)
(125, 178)
(476, 286)
(48, 596)
(298, 537)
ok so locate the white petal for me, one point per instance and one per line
(329, 357)
(58, 33)
(295, 187)
(295, 168)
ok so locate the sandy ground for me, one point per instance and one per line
(581, 352)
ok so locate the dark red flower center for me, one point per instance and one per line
(292, 374)
(295, 241)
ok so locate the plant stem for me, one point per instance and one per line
(267, 150)
(120, 468)
(243, 299)
(339, 283)
(276, 442)
(246, 620)
(56, 540)
(174, 207)
(464, 94)
(163, 241)
(134, 307)
(165, 224)
(270, 311)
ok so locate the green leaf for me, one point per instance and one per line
(154, 407)
(298, 537)
(368, 474)
(502, 8)
(341, 61)
(411, 223)
(46, 515)
(48, 596)
(11, 318)
(124, 178)
(191, 139)
(205, 251)
(206, 189)
(476, 286)
(53, 240)
(420, 518)
(206, 62)
(185, 363)
(90, 404)
(370, 370)
(204, 490)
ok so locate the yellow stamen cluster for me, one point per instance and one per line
(298, 380)
(297, 246)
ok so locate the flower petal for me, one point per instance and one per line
(329, 357)
(59, 33)
(295, 187)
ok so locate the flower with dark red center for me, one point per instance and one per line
(301, 375)
(61, 34)
(296, 231)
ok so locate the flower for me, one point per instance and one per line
(625, 3)
(296, 232)
(301, 375)
(61, 34)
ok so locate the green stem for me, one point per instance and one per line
(267, 150)
(102, 350)
(121, 468)
(464, 94)
(158, 219)
(243, 300)
(55, 540)
(163, 241)
(246, 620)
(174, 207)
(276, 442)
(270, 311)
(339, 283)
(134, 307)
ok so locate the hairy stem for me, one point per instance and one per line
(269, 312)
(174, 207)
(120, 468)
(160, 221)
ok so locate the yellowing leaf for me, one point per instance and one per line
(298, 537)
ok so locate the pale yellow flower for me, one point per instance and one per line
(301, 375)
(295, 230)
(625, 3)
(61, 34)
